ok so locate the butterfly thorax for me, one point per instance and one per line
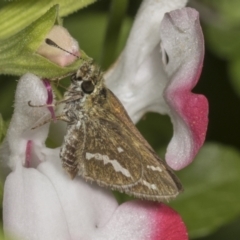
(86, 91)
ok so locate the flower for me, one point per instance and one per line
(145, 80)
(42, 202)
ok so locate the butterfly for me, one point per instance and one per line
(103, 145)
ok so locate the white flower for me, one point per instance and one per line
(146, 79)
(42, 202)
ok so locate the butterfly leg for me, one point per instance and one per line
(40, 105)
(66, 100)
(61, 117)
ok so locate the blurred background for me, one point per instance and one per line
(210, 204)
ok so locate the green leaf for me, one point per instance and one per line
(225, 11)
(211, 196)
(229, 231)
(19, 14)
(4, 236)
(224, 41)
(1, 234)
(18, 53)
(222, 29)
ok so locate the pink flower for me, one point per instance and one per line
(156, 72)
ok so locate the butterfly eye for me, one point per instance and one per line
(87, 87)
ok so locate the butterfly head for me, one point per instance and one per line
(88, 80)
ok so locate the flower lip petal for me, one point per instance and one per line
(182, 39)
(136, 220)
(172, 225)
(30, 88)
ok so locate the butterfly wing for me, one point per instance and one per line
(99, 151)
(155, 170)
(110, 151)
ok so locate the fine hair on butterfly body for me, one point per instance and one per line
(103, 145)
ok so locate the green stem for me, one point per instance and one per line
(116, 17)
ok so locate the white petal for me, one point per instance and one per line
(138, 78)
(31, 207)
(86, 206)
(30, 88)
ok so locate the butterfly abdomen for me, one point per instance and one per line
(68, 152)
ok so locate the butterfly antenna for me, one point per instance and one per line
(53, 44)
(60, 85)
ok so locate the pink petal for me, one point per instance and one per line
(182, 40)
(140, 220)
(50, 98)
(168, 225)
(62, 38)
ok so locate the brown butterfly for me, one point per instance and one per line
(103, 145)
